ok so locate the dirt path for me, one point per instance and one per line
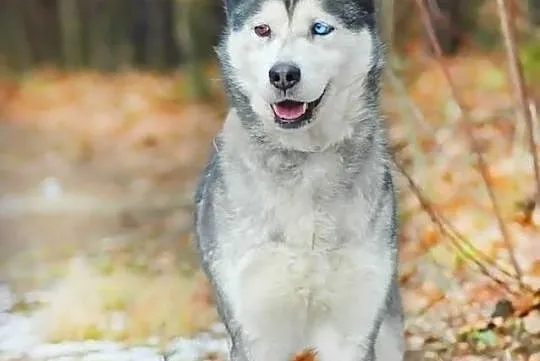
(61, 194)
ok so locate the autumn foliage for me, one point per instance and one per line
(469, 208)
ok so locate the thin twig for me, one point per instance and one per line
(534, 115)
(445, 227)
(457, 239)
(444, 223)
(482, 165)
(508, 28)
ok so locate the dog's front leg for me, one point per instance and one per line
(355, 305)
(268, 303)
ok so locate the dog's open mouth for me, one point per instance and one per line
(290, 114)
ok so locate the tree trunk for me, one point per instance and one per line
(15, 50)
(534, 11)
(40, 19)
(70, 33)
(446, 19)
(188, 15)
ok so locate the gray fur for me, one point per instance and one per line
(296, 230)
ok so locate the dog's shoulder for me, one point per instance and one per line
(204, 198)
(211, 171)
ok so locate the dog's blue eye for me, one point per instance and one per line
(321, 29)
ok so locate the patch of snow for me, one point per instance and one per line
(19, 340)
(53, 351)
(17, 335)
(6, 298)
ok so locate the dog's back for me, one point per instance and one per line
(295, 211)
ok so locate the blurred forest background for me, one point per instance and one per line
(107, 111)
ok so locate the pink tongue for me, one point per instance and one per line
(289, 111)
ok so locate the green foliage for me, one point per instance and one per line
(492, 79)
(485, 337)
(530, 56)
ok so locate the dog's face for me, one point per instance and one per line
(301, 65)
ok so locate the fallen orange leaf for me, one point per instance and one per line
(306, 355)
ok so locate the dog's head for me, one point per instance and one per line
(301, 72)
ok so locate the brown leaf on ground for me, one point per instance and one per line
(306, 355)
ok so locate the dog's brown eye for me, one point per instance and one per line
(262, 30)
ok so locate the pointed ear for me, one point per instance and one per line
(229, 6)
(369, 6)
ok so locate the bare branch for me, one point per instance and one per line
(475, 147)
(508, 28)
(483, 262)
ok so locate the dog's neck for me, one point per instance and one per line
(366, 142)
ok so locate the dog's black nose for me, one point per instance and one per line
(284, 75)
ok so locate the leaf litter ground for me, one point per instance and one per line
(123, 135)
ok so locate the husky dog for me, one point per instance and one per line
(296, 209)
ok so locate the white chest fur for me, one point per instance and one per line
(288, 265)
